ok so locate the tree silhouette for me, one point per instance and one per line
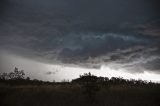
(13, 75)
(18, 74)
(4, 76)
(89, 85)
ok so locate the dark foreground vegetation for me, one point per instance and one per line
(87, 90)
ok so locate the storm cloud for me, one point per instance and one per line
(86, 33)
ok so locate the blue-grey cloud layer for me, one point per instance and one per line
(88, 33)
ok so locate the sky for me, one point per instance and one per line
(61, 39)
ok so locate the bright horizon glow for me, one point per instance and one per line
(38, 70)
(126, 75)
(74, 72)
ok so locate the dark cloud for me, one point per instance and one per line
(153, 65)
(134, 59)
(88, 33)
(150, 29)
(3, 6)
(50, 73)
(63, 16)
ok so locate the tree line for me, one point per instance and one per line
(86, 78)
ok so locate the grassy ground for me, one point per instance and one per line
(75, 95)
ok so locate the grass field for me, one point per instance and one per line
(74, 95)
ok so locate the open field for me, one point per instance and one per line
(74, 95)
(87, 90)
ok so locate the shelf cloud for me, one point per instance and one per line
(85, 33)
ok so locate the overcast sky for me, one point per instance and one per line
(60, 39)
